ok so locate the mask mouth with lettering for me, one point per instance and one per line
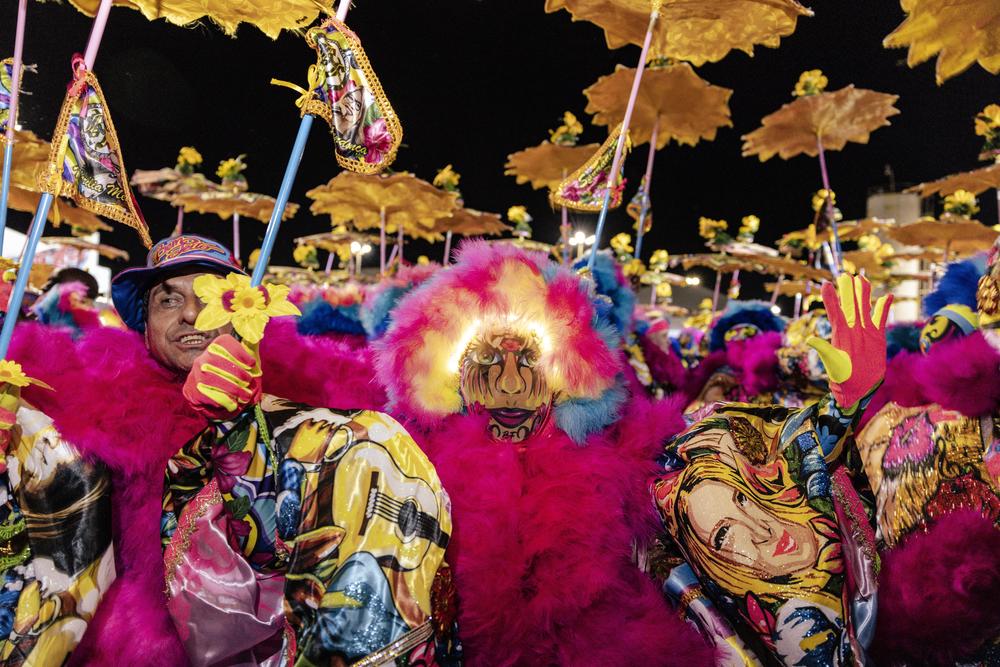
(500, 377)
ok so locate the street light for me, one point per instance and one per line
(581, 241)
(692, 280)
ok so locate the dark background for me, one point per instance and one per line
(475, 80)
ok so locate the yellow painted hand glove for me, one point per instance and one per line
(224, 379)
(855, 357)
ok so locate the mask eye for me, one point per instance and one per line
(719, 539)
(485, 357)
(528, 359)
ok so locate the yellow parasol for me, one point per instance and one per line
(975, 181)
(105, 250)
(31, 156)
(851, 230)
(958, 32)
(698, 31)
(673, 103)
(545, 165)
(397, 203)
(166, 184)
(269, 16)
(767, 265)
(954, 235)
(470, 222)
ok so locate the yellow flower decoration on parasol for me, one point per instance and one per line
(269, 16)
(958, 32)
(30, 158)
(11, 373)
(699, 32)
(674, 103)
(961, 202)
(232, 300)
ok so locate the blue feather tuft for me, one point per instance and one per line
(581, 417)
(320, 317)
(957, 286)
(605, 277)
(756, 313)
(902, 338)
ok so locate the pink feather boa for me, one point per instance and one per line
(957, 375)
(116, 404)
(938, 593)
(543, 540)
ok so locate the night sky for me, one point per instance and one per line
(475, 80)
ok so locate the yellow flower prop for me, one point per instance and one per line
(447, 179)
(305, 256)
(811, 82)
(708, 228)
(961, 202)
(664, 291)
(819, 199)
(988, 121)
(188, 157)
(633, 268)
(231, 169)
(621, 244)
(254, 257)
(568, 133)
(518, 215)
(659, 260)
(11, 373)
(749, 226)
(231, 300)
(423, 260)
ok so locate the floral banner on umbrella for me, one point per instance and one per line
(85, 163)
(346, 93)
(6, 91)
(585, 188)
(634, 208)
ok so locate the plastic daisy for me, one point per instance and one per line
(232, 300)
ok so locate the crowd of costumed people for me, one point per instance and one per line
(526, 455)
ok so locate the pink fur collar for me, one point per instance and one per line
(957, 375)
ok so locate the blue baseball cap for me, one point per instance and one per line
(128, 288)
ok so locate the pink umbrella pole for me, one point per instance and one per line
(777, 288)
(715, 294)
(381, 241)
(399, 243)
(15, 93)
(179, 227)
(620, 148)
(329, 263)
(646, 183)
(342, 9)
(447, 248)
(236, 235)
(829, 206)
(564, 231)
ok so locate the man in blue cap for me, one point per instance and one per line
(289, 532)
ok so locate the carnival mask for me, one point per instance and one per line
(499, 376)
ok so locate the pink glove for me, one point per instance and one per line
(855, 357)
(224, 379)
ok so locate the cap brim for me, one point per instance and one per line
(129, 287)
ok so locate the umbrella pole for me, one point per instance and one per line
(715, 294)
(645, 189)
(357, 267)
(15, 92)
(447, 248)
(236, 235)
(798, 305)
(45, 201)
(652, 295)
(281, 201)
(777, 288)
(564, 230)
(381, 240)
(399, 243)
(179, 227)
(836, 267)
(620, 147)
(329, 262)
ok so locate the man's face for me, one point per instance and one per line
(170, 333)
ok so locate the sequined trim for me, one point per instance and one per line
(401, 646)
(180, 541)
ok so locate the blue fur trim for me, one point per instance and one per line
(376, 314)
(902, 338)
(756, 313)
(622, 297)
(581, 417)
(320, 317)
(958, 285)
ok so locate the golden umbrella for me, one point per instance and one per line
(673, 103)
(340, 242)
(767, 265)
(469, 222)
(270, 17)
(31, 156)
(545, 165)
(976, 182)
(958, 32)
(851, 230)
(698, 31)
(167, 183)
(818, 121)
(955, 235)
(105, 250)
(399, 202)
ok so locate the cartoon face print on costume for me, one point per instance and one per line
(748, 499)
(500, 377)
